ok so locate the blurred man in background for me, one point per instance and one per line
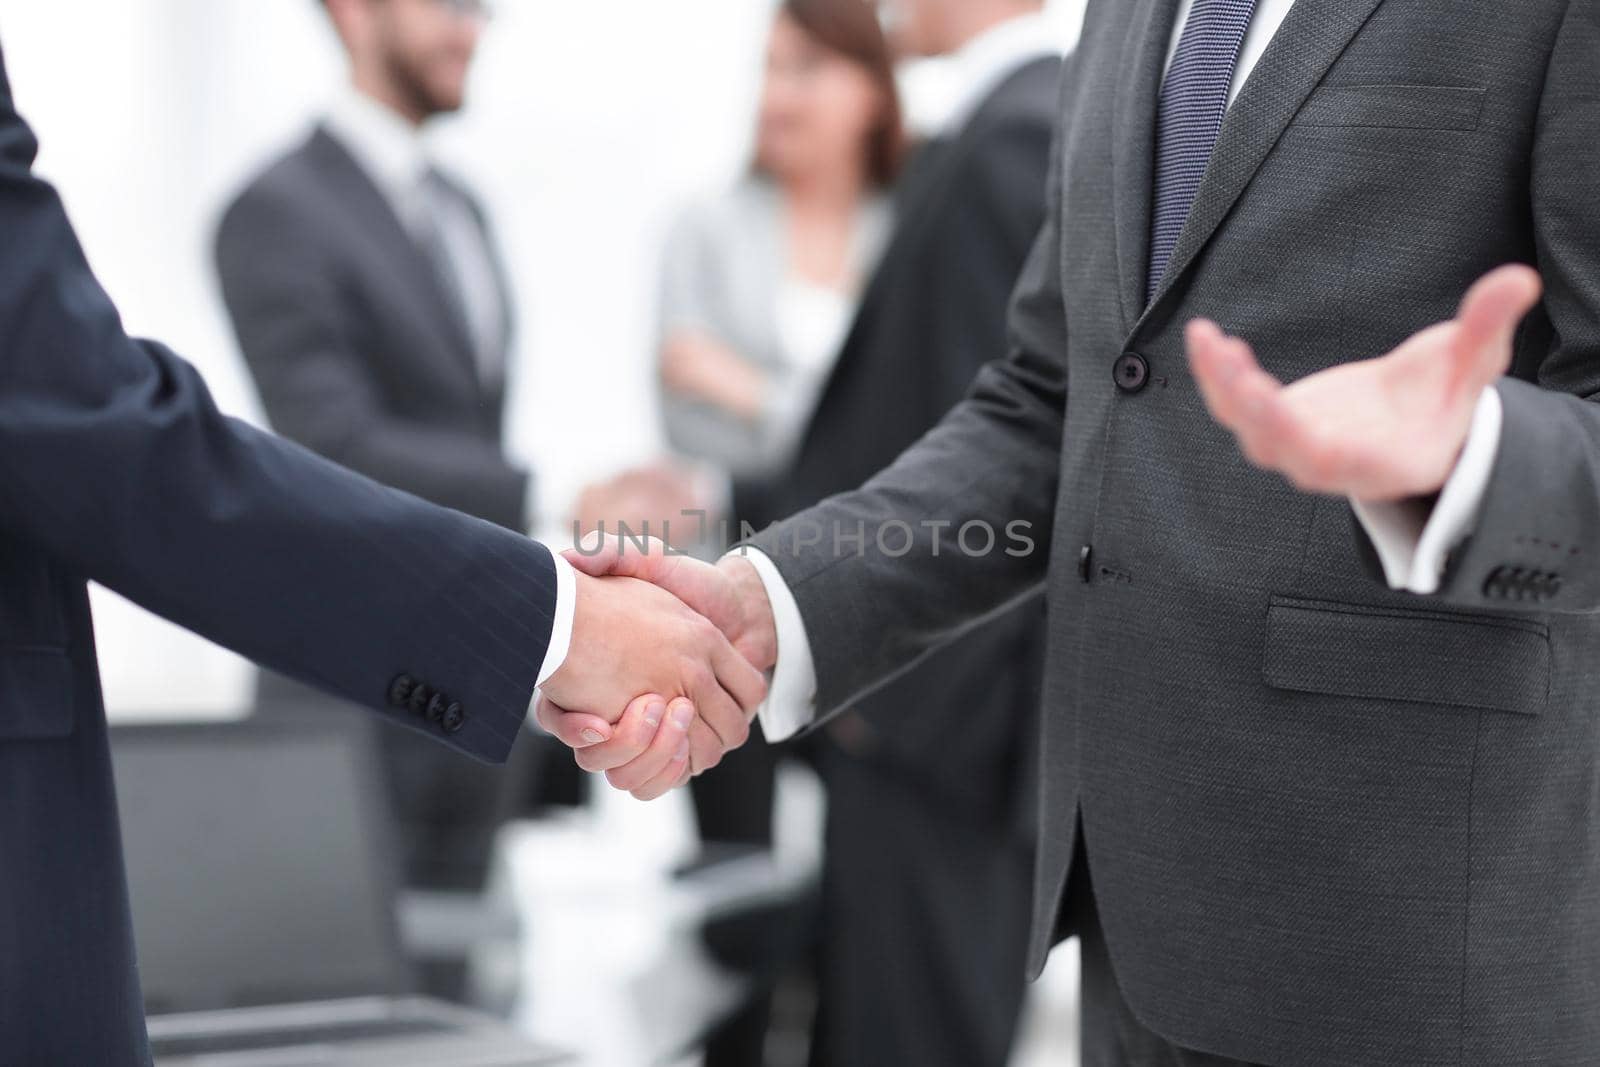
(374, 313)
(928, 870)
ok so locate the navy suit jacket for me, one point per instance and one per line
(115, 466)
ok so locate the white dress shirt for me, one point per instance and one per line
(394, 154)
(1412, 542)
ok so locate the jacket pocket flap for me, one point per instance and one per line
(1422, 657)
(35, 694)
(1399, 107)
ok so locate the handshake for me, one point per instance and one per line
(667, 665)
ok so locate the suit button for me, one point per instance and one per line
(435, 711)
(1520, 584)
(400, 690)
(1552, 586)
(453, 719)
(418, 703)
(1085, 561)
(1131, 372)
(1495, 586)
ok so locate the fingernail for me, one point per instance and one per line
(654, 711)
(593, 737)
(682, 753)
(682, 716)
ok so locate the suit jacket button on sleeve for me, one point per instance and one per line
(1131, 372)
(453, 719)
(436, 707)
(1495, 586)
(419, 699)
(400, 690)
(1521, 584)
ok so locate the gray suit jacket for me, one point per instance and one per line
(1328, 823)
(356, 349)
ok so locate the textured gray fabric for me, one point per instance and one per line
(1328, 824)
(722, 275)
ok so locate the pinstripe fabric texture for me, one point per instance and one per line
(1193, 102)
(116, 466)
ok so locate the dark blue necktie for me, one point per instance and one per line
(1194, 100)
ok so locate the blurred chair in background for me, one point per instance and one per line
(928, 864)
(759, 287)
(374, 313)
(261, 879)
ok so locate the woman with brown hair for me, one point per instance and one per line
(761, 283)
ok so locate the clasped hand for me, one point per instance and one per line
(667, 664)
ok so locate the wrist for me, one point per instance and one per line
(757, 640)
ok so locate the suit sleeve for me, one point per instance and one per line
(286, 307)
(1536, 543)
(115, 462)
(873, 607)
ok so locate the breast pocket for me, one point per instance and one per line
(1417, 657)
(1393, 107)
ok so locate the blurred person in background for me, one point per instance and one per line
(373, 310)
(928, 865)
(760, 285)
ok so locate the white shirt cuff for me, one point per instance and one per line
(561, 628)
(1413, 542)
(791, 703)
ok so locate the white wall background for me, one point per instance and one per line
(590, 122)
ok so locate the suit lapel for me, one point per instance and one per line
(1138, 91)
(1313, 36)
(405, 262)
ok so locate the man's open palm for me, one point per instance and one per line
(1381, 430)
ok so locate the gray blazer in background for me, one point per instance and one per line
(352, 342)
(1327, 823)
(723, 272)
(359, 355)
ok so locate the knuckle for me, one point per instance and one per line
(634, 737)
(704, 634)
(700, 677)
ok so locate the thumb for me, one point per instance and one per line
(599, 555)
(1488, 320)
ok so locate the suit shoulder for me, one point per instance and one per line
(1031, 95)
(733, 215)
(1006, 147)
(730, 208)
(279, 194)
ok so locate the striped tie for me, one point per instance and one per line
(1193, 102)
